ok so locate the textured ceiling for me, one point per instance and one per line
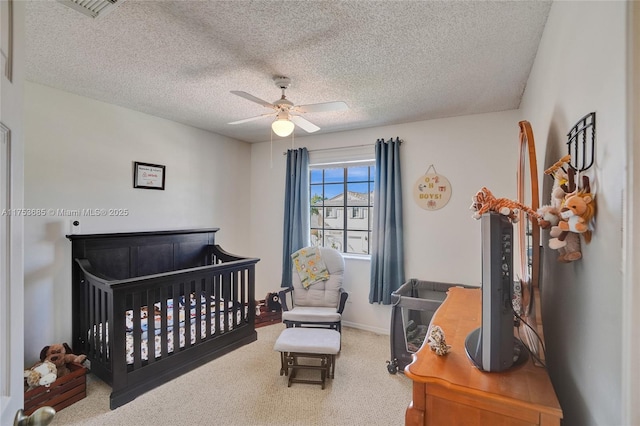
(390, 61)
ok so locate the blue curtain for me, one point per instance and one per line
(296, 209)
(387, 252)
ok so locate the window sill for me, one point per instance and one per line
(354, 256)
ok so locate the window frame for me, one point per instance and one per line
(347, 206)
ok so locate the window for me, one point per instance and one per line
(341, 202)
(359, 212)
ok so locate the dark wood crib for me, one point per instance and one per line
(150, 306)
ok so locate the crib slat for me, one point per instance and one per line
(164, 324)
(176, 318)
(202, 315)
(197, 292)
(94, 320)
(187, 314)
(90, 345)
(234, 304)
(243, 296)
(103, 325)
(151, 327)
(86, 332)
(234, 312)
(219, 301)
(209, 298)
(108, 331)
(137, 331)
(97, 316)
(251, 295)
(226, 279)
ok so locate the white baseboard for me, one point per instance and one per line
(378, 330)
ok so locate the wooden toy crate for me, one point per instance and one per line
(267, 317)
(61, 393)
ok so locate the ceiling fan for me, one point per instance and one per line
(286, 113)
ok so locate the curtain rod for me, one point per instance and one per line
(340, 147)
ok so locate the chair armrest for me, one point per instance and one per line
(282, 294)
(343, 300)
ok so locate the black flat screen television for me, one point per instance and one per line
(493, 347)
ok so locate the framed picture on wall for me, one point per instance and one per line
(148, 176)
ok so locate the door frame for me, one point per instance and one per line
(631, 227)
(12, 193)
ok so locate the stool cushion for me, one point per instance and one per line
(308, 340)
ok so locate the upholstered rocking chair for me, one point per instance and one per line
(320, 304)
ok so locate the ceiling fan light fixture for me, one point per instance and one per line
(282, 127)
(285, 122)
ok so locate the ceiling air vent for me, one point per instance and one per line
(93, 8)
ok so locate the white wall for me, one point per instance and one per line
(442, 245)
(79, 155)
(580, 67)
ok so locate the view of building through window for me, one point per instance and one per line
(334, 191)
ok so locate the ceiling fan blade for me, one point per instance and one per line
(253, 99)
(322, 107)
(304, 124)
(246, 120)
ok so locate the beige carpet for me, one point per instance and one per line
(245, 388)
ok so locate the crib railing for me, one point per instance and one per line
(132, 323)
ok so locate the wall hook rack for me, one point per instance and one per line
(581, 143)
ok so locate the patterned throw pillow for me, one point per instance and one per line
(310, 266)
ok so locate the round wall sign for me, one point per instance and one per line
(432, 191)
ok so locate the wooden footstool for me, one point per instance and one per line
(299, 342)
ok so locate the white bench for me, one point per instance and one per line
(300, 342)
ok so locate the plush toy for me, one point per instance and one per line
(484, 201)
(273, 302)
(578, 211)
(557, 171)
(41, 374)
(549, 216)
(569, 247)
(437, 342)
(567, 243)
(60, 355)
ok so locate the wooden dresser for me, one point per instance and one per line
(449, 390)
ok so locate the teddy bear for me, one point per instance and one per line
(60, 355)
(41, 374)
